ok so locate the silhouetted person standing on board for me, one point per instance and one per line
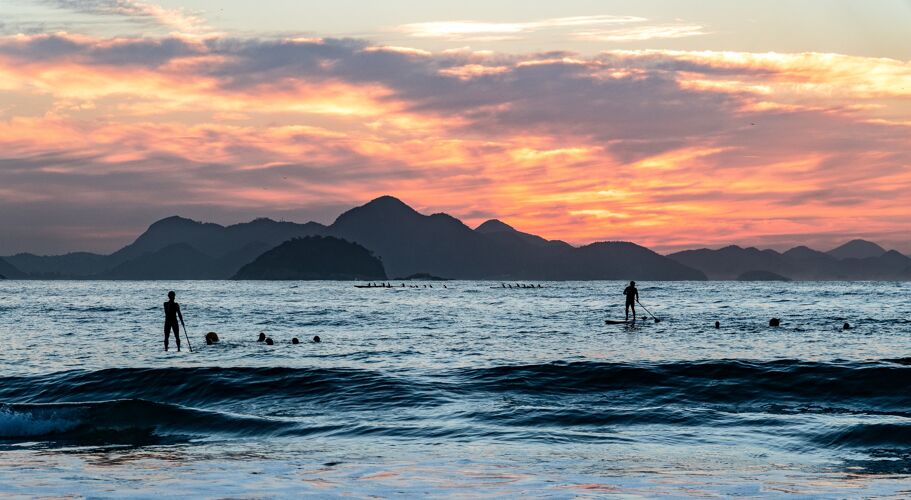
(171, 315)
(632, 295)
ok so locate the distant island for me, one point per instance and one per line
(314, 258)
(422, 246)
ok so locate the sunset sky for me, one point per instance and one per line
(674, 124)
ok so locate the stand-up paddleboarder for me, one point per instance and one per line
(171, 315)
(632, 296)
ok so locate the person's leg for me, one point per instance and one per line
(177, 335)
(627, 311)
(167, 334)
(633, 307)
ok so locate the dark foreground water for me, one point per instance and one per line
(468, 391)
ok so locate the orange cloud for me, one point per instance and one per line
(668, 149)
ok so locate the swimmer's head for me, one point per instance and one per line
(262, 337)
(269, 342)
(295, 341)
(317, 339)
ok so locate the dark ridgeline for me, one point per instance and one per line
(76, 264)
(857, 249)
(215, 251)
(410, 243)
(173, 262)
(441, 245)
(8, 271)
(314, 258)
(800, 263)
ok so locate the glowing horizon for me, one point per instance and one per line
(666, 146)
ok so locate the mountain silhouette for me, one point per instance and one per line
(213, 239)
(857, 249)
(219, 251)
(500, 230)
(410, 243)
(800, 263)
(180, 261)
(76, 264)
(314, 258)
(8, 271)
(731, 261)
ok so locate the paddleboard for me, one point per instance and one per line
(624, 322)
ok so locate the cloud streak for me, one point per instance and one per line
(602, 28)
(642, 33)
(477, 29)
(179, 20)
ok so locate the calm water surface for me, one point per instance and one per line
(471, 390)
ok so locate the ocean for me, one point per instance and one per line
(466, 391)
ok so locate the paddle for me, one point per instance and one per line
(185, 334)
(646, 310)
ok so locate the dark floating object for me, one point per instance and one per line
(317, 339)
(774, 322)
(717, 325)
(847, 326)
(262, 337)
(295, 341)
(269, 341)
(211, 338)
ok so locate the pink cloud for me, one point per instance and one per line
(668, 149)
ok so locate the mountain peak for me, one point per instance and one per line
(495, 226)
(802, 251)
(857, 249)
(387, 203)
(379, 208)
(174, 220)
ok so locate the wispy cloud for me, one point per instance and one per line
(179, 20)
(476, 30)
(642, 33)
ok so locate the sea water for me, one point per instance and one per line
(470, 389)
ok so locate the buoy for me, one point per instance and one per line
(269, 341)
(774, 322)
(295, 341)
(317, 339)
(717, 325)
(211, 338)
